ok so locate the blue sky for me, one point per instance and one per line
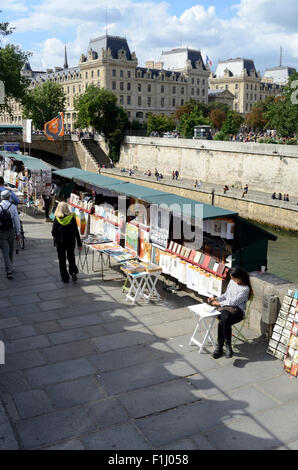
(222, 29)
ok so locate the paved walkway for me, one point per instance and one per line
(85, 370)
(253, 196)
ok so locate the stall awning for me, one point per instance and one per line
(31, 163)
(70, 173)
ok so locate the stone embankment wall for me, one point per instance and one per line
(264, 167)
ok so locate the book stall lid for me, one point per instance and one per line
(31, 163)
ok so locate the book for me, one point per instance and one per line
(211, 264)
(192, 255)
(197, 257)
(205, 261)
(220, 269)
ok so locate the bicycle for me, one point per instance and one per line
(21, 239)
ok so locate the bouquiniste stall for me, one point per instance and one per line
(193, 243)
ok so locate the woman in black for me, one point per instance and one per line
(232, 305)
(66, 233)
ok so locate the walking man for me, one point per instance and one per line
(10, 228)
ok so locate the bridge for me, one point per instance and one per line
(65, 152)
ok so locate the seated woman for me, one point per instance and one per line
(232, 305)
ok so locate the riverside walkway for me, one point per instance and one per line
(86, 370)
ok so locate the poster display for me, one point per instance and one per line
(159, 226)
(132, 238)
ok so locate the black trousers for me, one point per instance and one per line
(66, 251)
(226, 320)
(47, 203)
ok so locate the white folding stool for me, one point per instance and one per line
(202, 313)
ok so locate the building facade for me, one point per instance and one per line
(239, 76)
(157, 88)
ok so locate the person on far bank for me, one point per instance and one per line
(66, 234)
(10, 228)
(232, 306)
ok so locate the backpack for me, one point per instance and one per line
(5, 219)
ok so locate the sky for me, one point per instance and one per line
(221, 29)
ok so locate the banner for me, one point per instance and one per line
(54, 128)
(27, 131)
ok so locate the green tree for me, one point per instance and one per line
(97, 108)
(282, 113)
(232, 123)
(12, 60)
(189, 121)
(159, 123)
(43, 103)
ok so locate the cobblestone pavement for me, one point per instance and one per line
(86, 370)
(236, 192)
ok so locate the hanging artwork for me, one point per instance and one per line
(159, 226)
(132, 238)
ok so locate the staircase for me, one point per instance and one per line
(96, 152)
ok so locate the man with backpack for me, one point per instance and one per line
(10, 228)
(13, 197)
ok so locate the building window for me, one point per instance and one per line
(121, 86)
(92, 74)
(192, 91)
(98, 72)
(128, 74)
(113, 73)
(198, 91)
(128, 86)
(198, 81)
(162, 102)
(139, 114)
(113, 85)
(128, 99)
(236, 86)
(182, 91)
(121, 73)
(173, 102)
(174, 90)
(149, 88)
(162, 89)
(121, 99)
(86, 75)
(203, 92)
(139, 87)
(79, 88)
(149, 100)
(182, 102)
(73, 89)
(203, 81)
(139, 101)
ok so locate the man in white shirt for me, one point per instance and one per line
(10, 228)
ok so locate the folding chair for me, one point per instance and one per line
(237, 329)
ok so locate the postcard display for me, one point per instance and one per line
(284, 340)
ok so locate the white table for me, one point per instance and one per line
(142, 286)
(204, 322)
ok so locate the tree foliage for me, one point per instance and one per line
(43, 103)
(160, 123)
(12, 60)
(232, 123)
(217, 117)
(97, 108)
(282, 112)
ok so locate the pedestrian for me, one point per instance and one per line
(13, 197)
(245, 190)
(65, 233)
(273, 196)
(47, 204)
(279, 196)
(232, 306)
(10, 228)
(176, 174)
(196, 183)
(173, 174)
(225, 188)
(288, 200)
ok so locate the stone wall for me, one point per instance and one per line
(264, 167)
(271, 214)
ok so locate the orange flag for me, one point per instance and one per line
(54, 128)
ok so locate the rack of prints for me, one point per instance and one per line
(291, 360)
(282, 331)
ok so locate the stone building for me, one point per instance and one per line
(239, 76)
(221, 95)
(156, 88)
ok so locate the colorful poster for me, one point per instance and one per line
(132, 238)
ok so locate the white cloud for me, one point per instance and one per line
(256, 29)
